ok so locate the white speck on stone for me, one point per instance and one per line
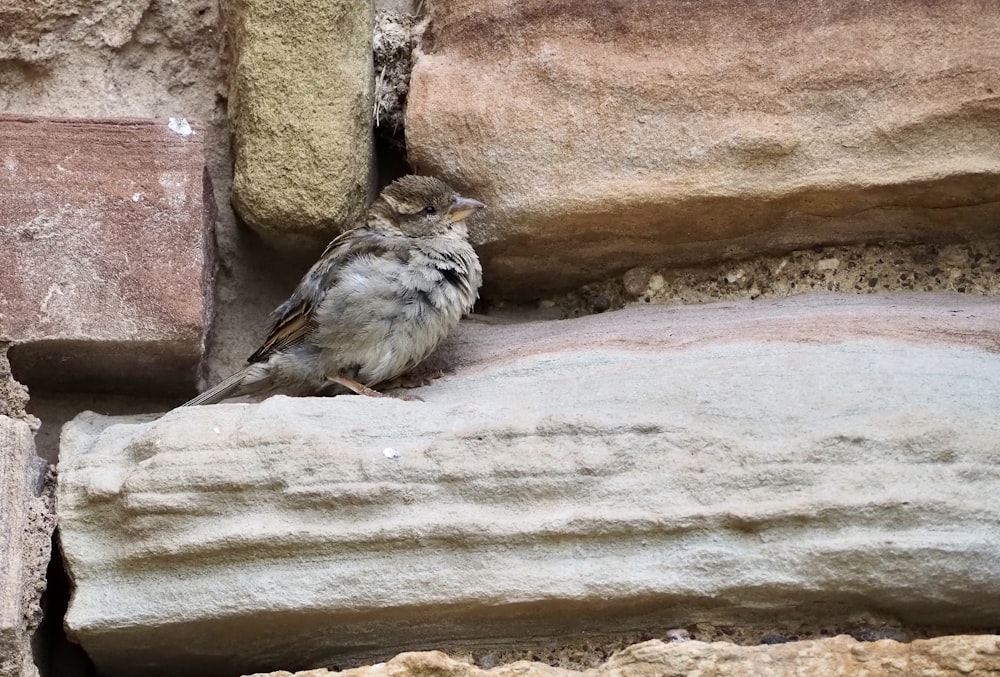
(44, 308)
(378, 665)
(136, 197)
(677, 635)
(657, 283)
(11, 163)
(828, 264)
(735, 276)
(389, 452)
(180, 126)
(217, 430)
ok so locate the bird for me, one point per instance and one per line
(378, 301)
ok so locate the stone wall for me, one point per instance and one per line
(760, 460)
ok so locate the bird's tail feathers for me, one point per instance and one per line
(225, 389)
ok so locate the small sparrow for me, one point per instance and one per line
(378, 301)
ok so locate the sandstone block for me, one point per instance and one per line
(106, 247)
(958, 656)
(811, 457)
(605, 136)
(26, 523)
(300, 104)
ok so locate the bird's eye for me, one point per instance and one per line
(429, 209)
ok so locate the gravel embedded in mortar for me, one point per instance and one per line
(969, 268)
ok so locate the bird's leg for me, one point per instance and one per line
(354, 386)
(414, 379)
(361, 389)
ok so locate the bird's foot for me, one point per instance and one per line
(413, 379)
(354, 386)
(361, 389)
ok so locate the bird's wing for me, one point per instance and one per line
(294, 320)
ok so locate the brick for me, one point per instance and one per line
(106, 252)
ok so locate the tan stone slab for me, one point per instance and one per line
(300, 103)
(106, 250)
(605, 135)
(26, 523)
(813, 458)
(958, 656)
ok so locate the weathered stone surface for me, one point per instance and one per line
(609, 135)
(814, 456)
(958, 656)
(105, 252)
(35, 33)
(111, 58)
(13, 395)
(26, 523)
(301, 108)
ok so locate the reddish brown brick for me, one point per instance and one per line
(106, 251)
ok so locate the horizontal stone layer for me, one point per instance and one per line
(605, 135)
(815, 456)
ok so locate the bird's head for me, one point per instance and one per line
(422, 206)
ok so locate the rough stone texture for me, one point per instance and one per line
(40, 33)
(26, 523)
(818, 455)
(106, 231)
(13, 395)
(959, 656)
(301, 106)
(661, 132)
(394, 37)
(398, 6)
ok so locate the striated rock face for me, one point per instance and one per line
(26, 522)
(301, 103)
(106, 251)
(605, 135)
(960, 656)
(819, 455)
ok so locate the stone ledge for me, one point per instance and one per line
(106, 234)
(814, 456)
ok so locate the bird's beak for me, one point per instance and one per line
(463, 207)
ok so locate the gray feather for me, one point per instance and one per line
(220, 392)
